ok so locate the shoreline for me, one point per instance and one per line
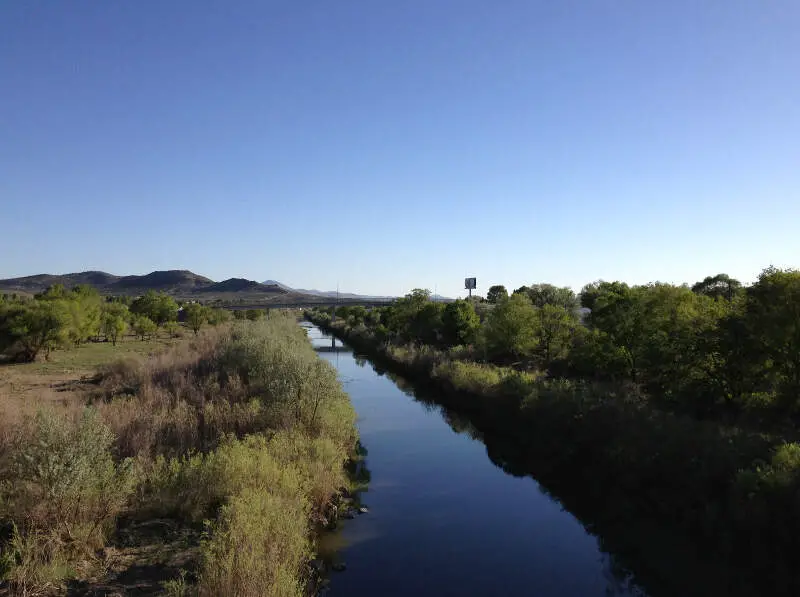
(650, 518)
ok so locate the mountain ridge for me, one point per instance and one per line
(177, 282)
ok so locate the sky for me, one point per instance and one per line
(384, 146)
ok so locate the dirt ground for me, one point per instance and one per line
(140, 556)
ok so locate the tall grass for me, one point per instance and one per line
(243, 426)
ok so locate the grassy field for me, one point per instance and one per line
(193, 451)
(64, 378)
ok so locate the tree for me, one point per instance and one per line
(547, 294)
(511, 328)
(172, 328)
(426, 323)
(719, 286)
(460, 323)
(196, 316)
(555, 328)
(496, 293)
(84, 307)
(158, 307)
(32, 327)
(219, 316)
(772, 320)
(113, 326)
(144, 327)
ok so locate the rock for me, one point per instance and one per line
(339, 567)
(363, 510)
(348, 514)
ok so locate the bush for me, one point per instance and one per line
(63, 493)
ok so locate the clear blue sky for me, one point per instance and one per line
(387, 145)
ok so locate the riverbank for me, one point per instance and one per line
(686, 504)
(205, 470)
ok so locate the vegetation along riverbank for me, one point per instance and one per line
(206, 468)
(671, 410)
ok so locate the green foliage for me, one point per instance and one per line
(496, 293)
(547, 294)
(219, 316)
(143, 327)
(158, 307)
(63, 494)
(113, 326)
(196, 316)
(719, 286)
(28, 328)
(772, 320)
(512, 328)
(254, 314)
(554, 332)
(460, 324)
(173, 328)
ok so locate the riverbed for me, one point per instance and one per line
(442, 518)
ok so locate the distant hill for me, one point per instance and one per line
(178, 283)
(242, 285)
(330, 293)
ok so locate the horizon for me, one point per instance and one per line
(390, 147)
(433, 291)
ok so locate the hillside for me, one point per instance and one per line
(179, 283)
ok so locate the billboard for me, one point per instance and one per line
(469, 283)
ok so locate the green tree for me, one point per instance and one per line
(219, 316)
(143, 327)
(84, 306)
(196, 316)
(719, 286)
(254, 314)
(158, 307)
(496, 293)
(460, 323)
(554, 332)
(426, 323)
(27, 329)
(772, 320)
(113, 326)
(511, 328)
(547, 294)
(172, 328)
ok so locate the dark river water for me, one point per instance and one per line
(443, 519)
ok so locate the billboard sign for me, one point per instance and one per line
(469, 283)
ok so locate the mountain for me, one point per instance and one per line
(329, 293)
(41, 282)
(242, 285)
(179, 283)
(166, 281)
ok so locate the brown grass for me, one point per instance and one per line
(235, 425)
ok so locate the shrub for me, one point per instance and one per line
(63, 493)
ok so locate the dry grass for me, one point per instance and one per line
(243, 424)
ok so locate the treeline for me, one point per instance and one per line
(714, 348)
(237, 439)
(60, 318)
(652, 406)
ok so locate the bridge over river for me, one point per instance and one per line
(309, 304)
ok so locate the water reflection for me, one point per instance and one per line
(451, 509)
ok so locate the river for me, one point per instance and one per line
(443, 519)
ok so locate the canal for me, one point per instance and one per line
(443, 519)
